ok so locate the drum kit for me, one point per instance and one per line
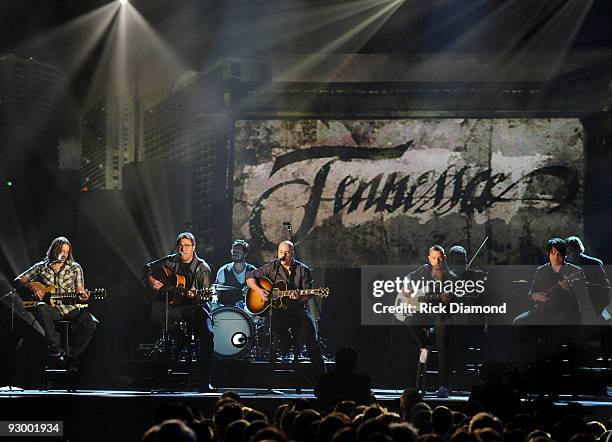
(238, 333)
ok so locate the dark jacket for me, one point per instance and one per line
(566, 306)
(198, 267)
(598, 285)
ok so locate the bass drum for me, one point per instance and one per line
(234, 332)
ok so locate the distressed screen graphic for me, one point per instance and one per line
(380, 192)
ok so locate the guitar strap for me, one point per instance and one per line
(277, 265)
(194, 279)
(194, 284)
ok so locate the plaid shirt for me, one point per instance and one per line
(68, 279)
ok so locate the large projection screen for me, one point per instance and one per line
(368, 192)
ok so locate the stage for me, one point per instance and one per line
(350, 150)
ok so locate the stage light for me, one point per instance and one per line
(123, 2)
(9, 183)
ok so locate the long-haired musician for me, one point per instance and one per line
(59, 270)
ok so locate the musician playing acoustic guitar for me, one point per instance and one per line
(196, 273)
(435, 270)
(558, 291)
(296, 316)
(59, 270)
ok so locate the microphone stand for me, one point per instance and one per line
(272, 355)
(296, 350)
(287, 225)
(270, 337)
(166, 338)
(13, 294)
(166, 332)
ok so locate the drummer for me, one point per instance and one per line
(234, 274)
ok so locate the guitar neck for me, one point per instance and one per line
(434, 297)
(198, 295)
(65, 295)
(94, 295)
(571, 278)
(305, 292)
(204, 296)
(52, 291)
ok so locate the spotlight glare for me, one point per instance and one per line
(123, 2)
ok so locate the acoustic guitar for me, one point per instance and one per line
(53, 298)
(175, 286)
(278, 295)
(549, 292)
(411, 301)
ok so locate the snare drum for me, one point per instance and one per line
(234, 332)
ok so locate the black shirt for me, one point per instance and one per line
(298, 278)
(563, 303)
(597, 280)
(185, 270)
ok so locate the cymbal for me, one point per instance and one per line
(221, 287)
(520, 281)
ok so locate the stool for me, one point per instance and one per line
(422, 372)
(169, 348)
(462, 370)
(64, 328)
(175, 354)
(557, 346)
(293, 369)
(66, 374)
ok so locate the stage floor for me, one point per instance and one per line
(382, 395)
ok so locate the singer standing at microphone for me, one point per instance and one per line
(59, 269)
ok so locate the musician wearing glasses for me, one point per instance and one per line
(196, 273)
(296, 316)
(59, 273)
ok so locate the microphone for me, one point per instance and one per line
(59, 258)
(287, 225)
